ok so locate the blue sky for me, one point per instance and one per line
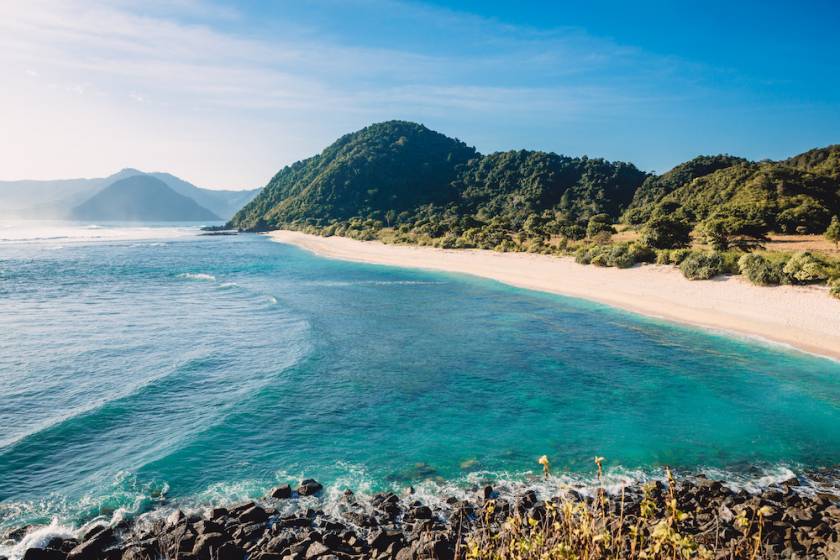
(224, 94)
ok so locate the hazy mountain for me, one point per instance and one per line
(56, 199)
(141, 198)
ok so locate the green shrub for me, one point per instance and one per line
(805, 268)
(599, 223)
(762, 271)
(642, 253)
(619, 256)
(599, 259)
(702, 266)
(834, 287)
(832, 233)
(582, 255)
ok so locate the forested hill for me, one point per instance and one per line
(427, 187)
(400, 172)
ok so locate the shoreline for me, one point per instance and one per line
(305, 520)
(802, 317)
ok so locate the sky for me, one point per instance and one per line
(224, 94)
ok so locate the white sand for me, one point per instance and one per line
(804, 317)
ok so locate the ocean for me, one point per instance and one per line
(151, 367)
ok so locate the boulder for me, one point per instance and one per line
(309, 487)
(44, 554)
(207, 545)
(93, 547)
(255, 514)
(282, 492)
(316, 550)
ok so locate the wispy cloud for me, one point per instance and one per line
(196, 96)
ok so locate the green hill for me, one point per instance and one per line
(788, 199)
(820, 161)
(402, 172)
(656, 187)
(141, 198)
(392, 166)
(424, 185)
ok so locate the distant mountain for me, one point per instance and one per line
(403, 171)
(141, 198)
(56, 199)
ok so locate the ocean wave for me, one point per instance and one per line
(197, 276)
(346, 283)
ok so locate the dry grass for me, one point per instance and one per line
(607, 528)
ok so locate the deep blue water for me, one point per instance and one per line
(210, 368)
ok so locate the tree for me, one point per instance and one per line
(833, 231)
(666, 232)
(599, 223)
(725, 230)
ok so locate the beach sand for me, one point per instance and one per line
(804, 317)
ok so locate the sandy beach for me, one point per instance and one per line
(804, 317)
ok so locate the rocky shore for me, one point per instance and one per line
(783, 520)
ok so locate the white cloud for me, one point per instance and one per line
(223, 109)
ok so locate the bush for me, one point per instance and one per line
(702, 266)
(834, 287)
(599, 223)
(582, 256)
(832, 233)
(642, 253)
(805, 268)
(663, 256)
(762, 271)
(666, 232)
(619, 256)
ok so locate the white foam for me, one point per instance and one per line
(37, 538)
(197, 276)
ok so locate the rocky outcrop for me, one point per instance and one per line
(289, 525)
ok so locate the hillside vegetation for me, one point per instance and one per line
(402, 173)
(400, 182)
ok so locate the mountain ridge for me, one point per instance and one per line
(141, 198)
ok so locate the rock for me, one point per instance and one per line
(229, 551)
(421, 512)
(217, 513)
(316, 550)
(175, 518)
(208, 544)
(16, 534)
(487, 492)
(137, 553)
(93, 547)
(282, 492)
(207, 526)
(380, 540)
(43, 554)
(255, 514)
(309, 487)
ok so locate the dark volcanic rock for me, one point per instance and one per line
(255, 514)
(44, 554)
(309, 487)
(93, 546)
(282, 492)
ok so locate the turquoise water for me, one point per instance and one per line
(202, 369)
